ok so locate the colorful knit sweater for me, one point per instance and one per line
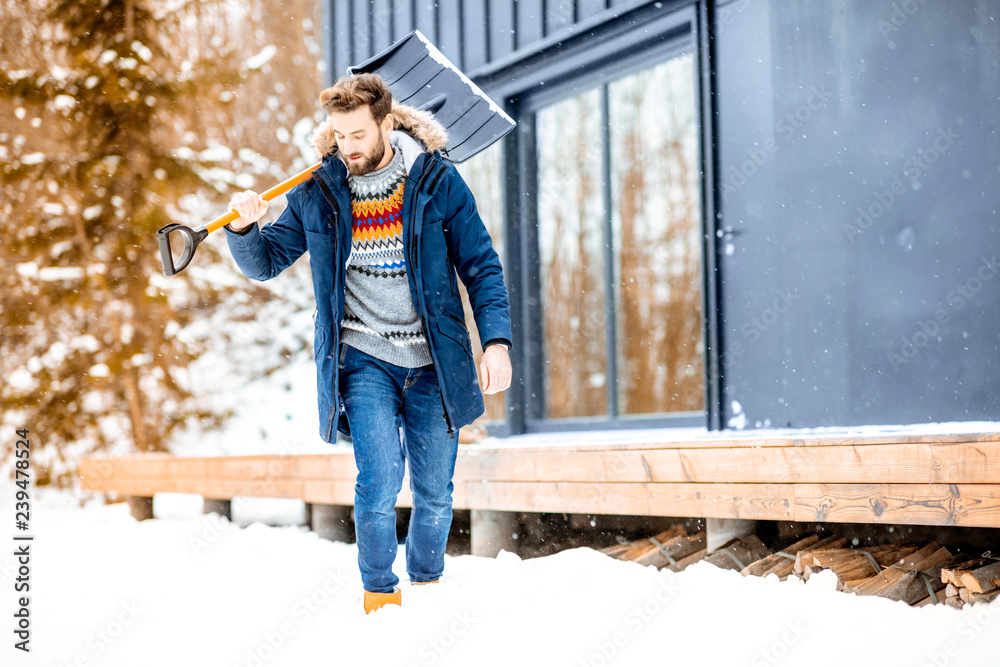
(380, 318)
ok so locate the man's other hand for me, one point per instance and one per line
(494, 369)
(251, 207)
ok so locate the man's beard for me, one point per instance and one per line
(368, 162)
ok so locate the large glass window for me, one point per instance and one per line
(571, 256)
(656, 239)
(619, 249)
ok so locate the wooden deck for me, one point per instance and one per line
(950, 479)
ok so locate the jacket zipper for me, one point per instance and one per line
(332, 200)
(329, 424)
(415, 259)
(336, 408)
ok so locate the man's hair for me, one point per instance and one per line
(351, 92)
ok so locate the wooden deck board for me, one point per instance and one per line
(954, 463)
(939, 479)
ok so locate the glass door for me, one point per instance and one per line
(619, 246)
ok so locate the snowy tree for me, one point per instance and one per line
(107, 107)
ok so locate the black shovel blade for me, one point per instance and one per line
(421, 76)
(177, 244)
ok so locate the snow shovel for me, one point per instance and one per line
(418, 75)
(421, 76)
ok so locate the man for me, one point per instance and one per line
(387, 222)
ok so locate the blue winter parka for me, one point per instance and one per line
(442, 234)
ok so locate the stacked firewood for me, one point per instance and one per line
(973, 580)
(907, 572)
(672, 549)
(738, 553)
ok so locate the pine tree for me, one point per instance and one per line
(89, 323)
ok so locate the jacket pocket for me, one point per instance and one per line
(455, 329)
(436, 264)
(457, 362)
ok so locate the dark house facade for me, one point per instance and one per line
(738, 215)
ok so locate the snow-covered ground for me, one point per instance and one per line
(196, 590)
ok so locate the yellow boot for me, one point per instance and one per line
(421, 583)
(374, 601)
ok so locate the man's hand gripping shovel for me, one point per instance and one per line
(178, 242)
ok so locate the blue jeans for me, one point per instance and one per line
(379, 397)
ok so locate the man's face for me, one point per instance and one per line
(361, 140)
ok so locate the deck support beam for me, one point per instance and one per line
(721, 531)
(494, 530)
(224, 508)
(332, 522)
(141, 507)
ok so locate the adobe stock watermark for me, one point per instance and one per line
(102, 638)
(928, 330)
(979, 620)
(214, 526)
(635, 620)
(756, 326)
(778, 649)
(900, 16)
(262, 318)
(617, 466)
(727, 14)
(269, 643)
(759, 154)
(914, 169)
(431, 651)
(557, 181)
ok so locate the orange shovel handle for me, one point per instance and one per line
(276, 191)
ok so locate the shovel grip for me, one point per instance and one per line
(278, 190)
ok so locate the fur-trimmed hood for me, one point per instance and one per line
(420, 125)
